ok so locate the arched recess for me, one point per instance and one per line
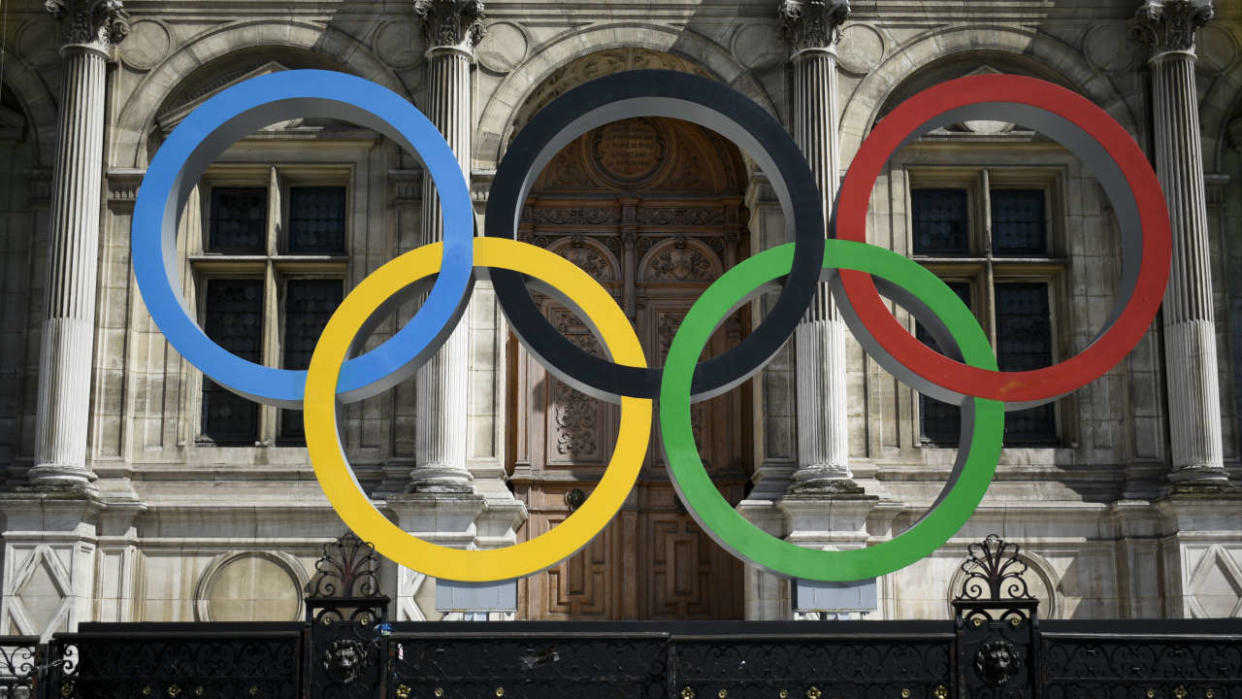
(500, 116)
(1221, 109)
(251, 586)
(590, 255)
(680, 259)
(38, 107)
(653, 209)
(1024, 50)
(329, 47)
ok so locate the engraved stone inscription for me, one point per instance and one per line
(629, 150)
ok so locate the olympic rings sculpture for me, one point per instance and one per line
(858, 274)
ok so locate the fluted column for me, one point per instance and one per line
(813, 28)
(452, 28)
(1168, 28)
(88, 29)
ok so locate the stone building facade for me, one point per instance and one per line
(134, 490)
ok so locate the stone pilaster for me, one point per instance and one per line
(89, 28)
(452, 28)
(813, 29)
(1168, 28)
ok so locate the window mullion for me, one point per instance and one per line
(271, 302)
(271, 346)
(989, 271)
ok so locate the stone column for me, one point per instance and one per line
(452, 28)
(813, 29)
(1167, 28)
(89, 28)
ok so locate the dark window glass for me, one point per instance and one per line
(316, 220)
(941, 423)
(238, 220)
(940, 222)
(1019, 222)
(308, 305)
(1024, 342)
(233, 319)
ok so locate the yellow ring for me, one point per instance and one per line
(336, 477)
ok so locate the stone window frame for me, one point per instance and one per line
(983, 270)
(275, 265)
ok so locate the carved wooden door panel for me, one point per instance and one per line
(652, 562)
(649, 208)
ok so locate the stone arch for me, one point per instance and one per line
(680, 259)
(1221, 107)
(38, 105)
(138, 114)
(497, 117)
(1041, 52)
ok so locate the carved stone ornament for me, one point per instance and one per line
(451, 22)
(99, 23)
(1170, 25)
(996, 661)
(344, 660)
(812, 24)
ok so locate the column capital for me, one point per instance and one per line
(1169, 26)
(452, 24)
(95, 24)
(812, 24)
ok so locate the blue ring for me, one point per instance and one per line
(231, 115)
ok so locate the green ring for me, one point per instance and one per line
(729, 528)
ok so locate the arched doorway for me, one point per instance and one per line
(652, 208)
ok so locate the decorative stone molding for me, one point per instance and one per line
(405, 186)
(812, 24)
(273, 563)
(1170, 25)
(94, 23)
(123, 185)
(451, 23)
(39, 186)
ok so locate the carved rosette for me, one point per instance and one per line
(451, 23)
(1170, 25)
(812, 24)
(94, 23)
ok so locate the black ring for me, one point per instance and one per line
(662, 93)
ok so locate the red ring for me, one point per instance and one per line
(1038, 385)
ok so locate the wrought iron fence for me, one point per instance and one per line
(995, 646)
(20, 660)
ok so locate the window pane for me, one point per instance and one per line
(1019, 222)
(234, 320)
(941, 423)
(1024, 342)
(238, 219)
(308, 305)
(317, 220)
(940, 222)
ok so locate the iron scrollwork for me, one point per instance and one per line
(19, 665)
(994, 572)
(348, 617)
(348, 568)
(995, 616)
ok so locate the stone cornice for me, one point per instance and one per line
(812, 24)
(96, 24)
(451, 23)
(1166, 26)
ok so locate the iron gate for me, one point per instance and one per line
(995, 646)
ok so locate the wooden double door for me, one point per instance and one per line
(656, 244)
